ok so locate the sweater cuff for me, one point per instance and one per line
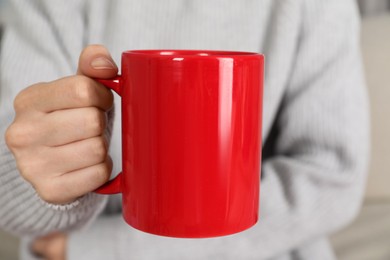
(62, 207)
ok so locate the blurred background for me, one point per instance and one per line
(368, 237)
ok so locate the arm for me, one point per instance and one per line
(314, 183)
(28, 57)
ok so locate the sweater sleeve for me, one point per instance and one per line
(314, 183)
(36, 47)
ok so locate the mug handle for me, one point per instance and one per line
(115, 185)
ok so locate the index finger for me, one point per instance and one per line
(69, 92)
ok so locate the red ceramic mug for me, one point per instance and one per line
(191, 141)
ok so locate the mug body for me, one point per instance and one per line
(191, 141)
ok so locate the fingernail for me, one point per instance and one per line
(102, 63)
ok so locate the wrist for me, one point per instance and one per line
(59, 207)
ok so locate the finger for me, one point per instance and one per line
(39, 246)
(95, 61)
(71, 125)
(65, 93)
(86, 180)
(51, 246)
(74, 156)
(57, 247)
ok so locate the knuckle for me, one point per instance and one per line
(97, 121)
(9, 137)
(85, 91)
(102, 173)
(48, 192)
(19, 135)
(19, 101)
(100, 147)
(28, 170)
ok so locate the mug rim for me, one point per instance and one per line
(188, 53)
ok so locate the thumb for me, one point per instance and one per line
(96, 62)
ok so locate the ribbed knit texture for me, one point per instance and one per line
(315, 125)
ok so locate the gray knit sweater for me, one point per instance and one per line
(315, 118)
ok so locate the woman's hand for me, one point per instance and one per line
(57, 136)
